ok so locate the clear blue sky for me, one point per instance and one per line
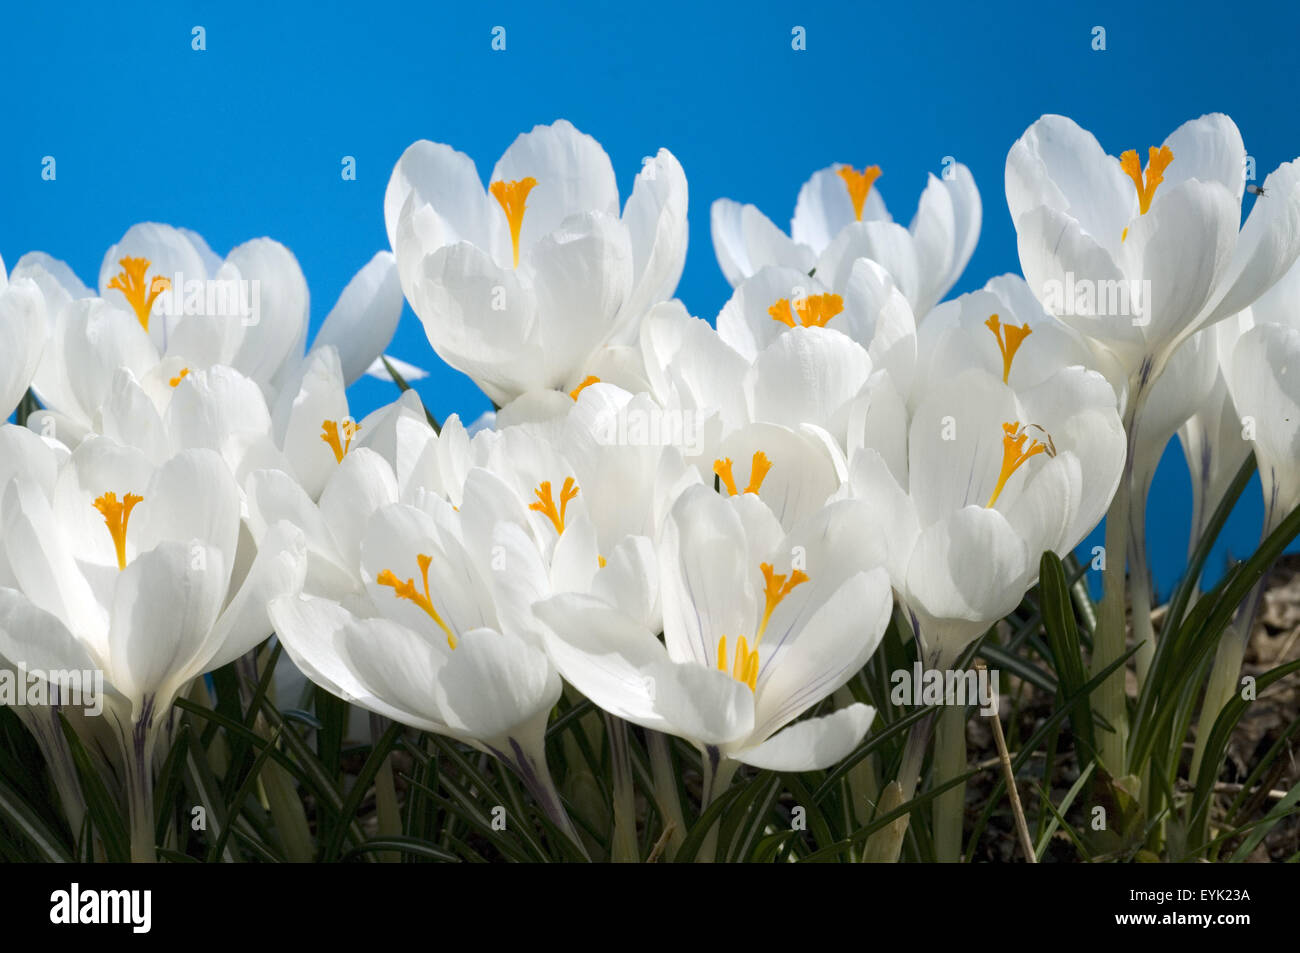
(246, 138)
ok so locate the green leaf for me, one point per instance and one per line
(405, 845)
(403, 386)
(1063, 637)
(104, 813)
(358, 793)
(50, 845)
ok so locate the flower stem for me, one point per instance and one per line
(886, 845)
(138, 749)
(667, 799)
(623, 846)
(949, 762)
(1108, 642)
(718, 772)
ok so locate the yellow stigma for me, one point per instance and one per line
(776, 586)
(511, 196)
(859, 185)
(1157, 161)
(330, 434)
(1015, 453)
(116, 516)
(586, 382)
(407, 590)
(139, 294)
(759, 466)
(176, 381)
(1009, 339)
(813, 311)
(546, 503)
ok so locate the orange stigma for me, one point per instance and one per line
(139, 294)
(586, 382)
(1015, 453)
(116, 516)
(859, 185)
(1157, 161)
(546, 503)
(759, 466)
(813, 311)
(407, 590)
(1009, 339)
(330, 434)
(512, 196)
(776, 586)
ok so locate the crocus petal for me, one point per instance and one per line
(812, 745)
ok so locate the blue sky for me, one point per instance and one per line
(246, 138)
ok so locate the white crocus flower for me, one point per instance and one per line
(168, 302)
(23, 330)
(519, 285)
(1140, 258)
(840, 217)
(431, 648)
(759, 626)
(995, 478)
(990, 327)
(867, 308)
(811, 382)
(117, 571)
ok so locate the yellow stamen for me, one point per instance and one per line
(1009, 338)
(176, 381)
(511, 196)
(116, 516)
(776, 587)
(745, 668)
(587, 382)
(546, 504)
(1157, 161)
(759, 466)
(859, 185)
(813, 311)
(330, 434)
(141, 296)
(601, 559)
(1014, 454)
(407, 590)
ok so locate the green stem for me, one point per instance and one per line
(1108, 641)
(718, 772)
(138, 750)
(387, 812)
(949, 762)
(886, 845)
(667, 799)
(623, 846)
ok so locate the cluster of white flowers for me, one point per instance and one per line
(703, 528)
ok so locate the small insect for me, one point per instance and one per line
(1255, 189)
